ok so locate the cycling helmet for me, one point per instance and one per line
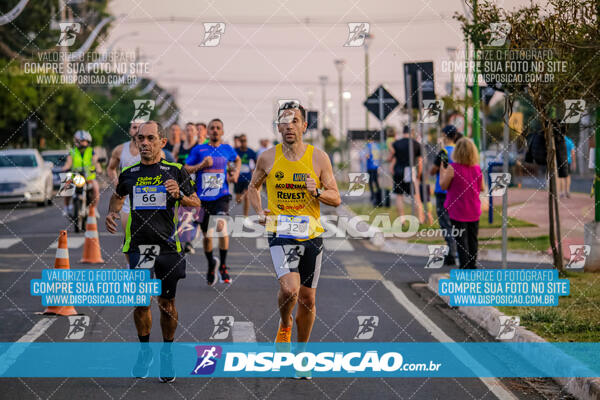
(83, 135)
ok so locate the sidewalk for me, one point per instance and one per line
(530, 205)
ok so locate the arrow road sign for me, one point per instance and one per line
(381, 103)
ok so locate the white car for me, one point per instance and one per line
(58, 159)
(25, 176)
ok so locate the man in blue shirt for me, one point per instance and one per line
(372, 156)
(565, 183)
(248, 157)
(210, 163)
(445, 157)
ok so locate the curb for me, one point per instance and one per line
(396, 246)
(487, 317)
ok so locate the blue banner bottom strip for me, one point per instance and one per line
(226, 359)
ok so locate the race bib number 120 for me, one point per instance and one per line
(149, 198)
(292, 226)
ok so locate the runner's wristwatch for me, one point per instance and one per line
(319, 191)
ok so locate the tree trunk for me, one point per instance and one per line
(554, 218)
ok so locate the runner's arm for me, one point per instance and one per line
(330, 195)
(196, 162)
(116, 203)
(97, 164)
(190, 201)
(258, 177)
(187, 188)
(195, 168)
(236, 171)
(113, 164)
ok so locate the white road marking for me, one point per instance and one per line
(331, 244)
(362, 272)
(14, 351)
(493, 384)
(72, 242)
(337, 245)
(5, 243)
(262, 244)
(17, 215)
(243, 331)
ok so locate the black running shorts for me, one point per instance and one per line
(219, 206)
(168, 267)
(303, 257)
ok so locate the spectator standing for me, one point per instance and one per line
(463, 182)
(404, 176)
(372, 154)
(445, 156)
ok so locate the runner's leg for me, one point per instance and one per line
(289, 285)
(124, 218)
(168, 317)
(223, 237)
(95, 192)
(142, 317)
(305, 316)
(246, 204)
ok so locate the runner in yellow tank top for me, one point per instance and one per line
(299, 177)
(289, 198)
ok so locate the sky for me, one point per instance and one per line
(274, 50)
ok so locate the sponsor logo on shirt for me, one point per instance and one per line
(300, 177)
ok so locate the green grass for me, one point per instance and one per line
(367, 209)
(512, 222)
(538, 243)
(575, 319)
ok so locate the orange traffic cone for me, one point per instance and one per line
(91, 246)
(61, 261)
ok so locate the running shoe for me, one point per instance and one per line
(224, 274)
(144, 361)
(283, 341)
(167, 371)
(189, 248)
(301, 348)
(211, 278)
(303, 374)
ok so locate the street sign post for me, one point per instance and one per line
(381, 103)
(427, 82)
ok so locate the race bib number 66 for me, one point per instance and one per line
(149, 198)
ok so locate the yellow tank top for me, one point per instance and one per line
(295, 212)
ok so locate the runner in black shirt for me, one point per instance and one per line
(404, 177)
(155, 189)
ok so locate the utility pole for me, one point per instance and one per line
(423, 140)
(339, 64)
(366, 44)
(476, 123)
(466, 123)
(411, 150)
(506, 139)
(347, 96)
(323, 80)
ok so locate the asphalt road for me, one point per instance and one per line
(355, 281)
